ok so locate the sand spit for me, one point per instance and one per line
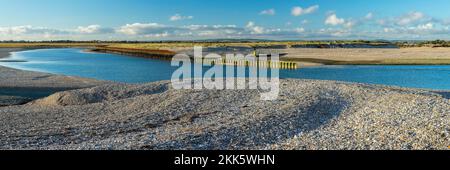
(5, 52)
(19, 87)
(370, 56)
(309, 114)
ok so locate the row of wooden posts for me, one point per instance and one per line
(251, 63)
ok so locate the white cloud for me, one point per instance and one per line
(387, 30)
(267, 12)
(145, 29)
(94, 29)
(369, 16)
(159, 35)
(333, 33)
(406, 20)
(298, 11)
(178, 17)
(412, 25)
(426, 30)
(410, 18)
(155, 30)
(419, 25)
(349, 24)
(382, 22)
(332, 19)
(427, 26)
(300, 30)
(445, 22)
(255, 29)
(28, 29)
(213, 30)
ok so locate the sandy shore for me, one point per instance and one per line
(5, 52)
(18, 87)
(349, 56)
(342, 56)
(313, 56)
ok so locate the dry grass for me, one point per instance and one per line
(48, 45)
(402, 56)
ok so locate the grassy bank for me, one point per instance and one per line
(406, 55)
(139, 52)
(184, 44)
(49, 45)
(373, 62)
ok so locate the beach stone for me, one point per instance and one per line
(13, 100)
(309, 114)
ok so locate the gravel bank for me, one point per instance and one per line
(308, 115)
(18, 86)
(4, 52)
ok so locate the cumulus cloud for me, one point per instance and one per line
(145, 29)
(212, 30)
(332, 19)
(350, 24)
(445, 22)
(255, 29)
(298, 11)
(387, 30)
(425, 30)
(300, 30)
(427, 26)
(94, 29)
(157, 35)
(413, 25)
(28, 29)
(267, 12)
(369, 16)
(178, 17)
(410, 18)
(159, 30)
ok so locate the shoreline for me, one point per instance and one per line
(311, 59)
(6, 52)
(303, 57)
(309, 114)
(20, 86)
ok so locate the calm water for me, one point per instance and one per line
(120, 68)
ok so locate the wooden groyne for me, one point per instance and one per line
(157, 54)
(167, 55)
(252, 63)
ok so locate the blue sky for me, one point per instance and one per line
(205, 19)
